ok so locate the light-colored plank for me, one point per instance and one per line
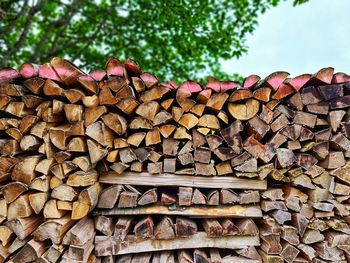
(231, 259)
(236, 211)
(166, 179)
(105, 246)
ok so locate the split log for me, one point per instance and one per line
(244, 111)
(148, 197)
(212, 227)
(185, 227)
(165, 229)
(104, 224)
(128, 199)
(144, 228)
(23, 227)
(198, 198)
(228, 227)
(87, 200)
(122, 227)
(109, 196)
(53, 229)
(30, 252)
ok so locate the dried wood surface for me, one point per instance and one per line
(181, 180)
(232, 211)
(133, 244)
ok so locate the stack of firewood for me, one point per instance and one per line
(114, 166)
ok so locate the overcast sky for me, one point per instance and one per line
(298, 40)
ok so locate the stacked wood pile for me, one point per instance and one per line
(114, 166)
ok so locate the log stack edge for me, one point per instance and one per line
(116, 166)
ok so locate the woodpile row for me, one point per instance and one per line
(115, 166)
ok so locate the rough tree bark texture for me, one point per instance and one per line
(116, 166)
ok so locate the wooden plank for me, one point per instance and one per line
(166, 179)
(233, 211)
(105, 246)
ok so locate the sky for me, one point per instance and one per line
(298, 40)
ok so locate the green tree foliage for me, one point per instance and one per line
(172, 38)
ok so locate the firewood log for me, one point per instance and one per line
(87, 200)
(289, 253)
(122, 227)
(51, 210)
(185, 196)
(23, 227)
(184, 257)
(104, 224)
(37, 201)
(19, 208)
(144, 228)
(165, 229)
(148, 197)
(244, 111)
(60, 227)
(109, 196)
(212, 227)
(30, 252)
(128, 199)
(185, 227)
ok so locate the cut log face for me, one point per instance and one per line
(185, 196)
(122, 227)
(165, 229)
(144, 228)
(212, 227)
(185, 227)
(109, 197)
(244, 111)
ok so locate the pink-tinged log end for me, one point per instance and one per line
(186, 89)
(325, 75)
(8, 74)
(190, 87)
(169, 85)
(89, 83)
(340, 77)
(283, 91)
(298, 82)
(172, 83)
(213, 84)
(132, 67)
(98, 74)
(250, 81)
(227, 86)
(66, 70)
(205, 93)
(29, 70)
(114, 67)
(276, 79)
(47, 72)
(149, 79)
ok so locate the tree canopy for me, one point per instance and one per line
(174, 39)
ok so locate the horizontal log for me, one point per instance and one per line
(106, 246)
(234, 211)
(166, 179)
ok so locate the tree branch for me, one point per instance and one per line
(34, 9)
(62, 21)
(12, 21)
(81, 39)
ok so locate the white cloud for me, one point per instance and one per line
(299, 40)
